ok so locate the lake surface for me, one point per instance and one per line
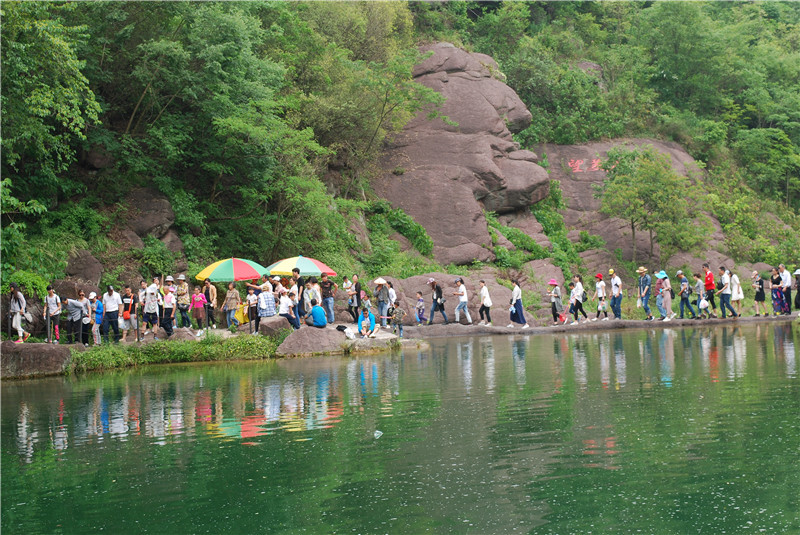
(655, 431)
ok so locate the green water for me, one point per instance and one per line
(663, 431)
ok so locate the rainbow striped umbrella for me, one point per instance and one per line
(232, 269)
(307, 266)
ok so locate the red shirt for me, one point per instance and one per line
(709, 280)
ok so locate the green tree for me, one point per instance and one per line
(46, 99)
(771, 162)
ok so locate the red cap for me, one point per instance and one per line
(599, 276)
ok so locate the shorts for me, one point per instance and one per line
(151, 318)
(128, 325)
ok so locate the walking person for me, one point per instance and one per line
(111, 303)
(184, 299)
(354, 302)
(461, 293)
(486, 304)
(231, 304)
(152, 301)
(556, 304)
(786, 288)
(700, 293)
(737, 294)
(600, 296)
(667, 294)
(328, 290)
(760, 297)
(778, 301)
(18, 308)
(129, 319)
(684, 291)
(199, 309)
(643, 291)
(210, 293)
(725, 292)
(517, 310)
(52, 309)
(576, 298)
(710, 288)
(437, 301)
(419, 310)
(616, 294)
(97, 318)
(382, 296)
(77, 309)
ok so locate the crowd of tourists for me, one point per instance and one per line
(168, 303)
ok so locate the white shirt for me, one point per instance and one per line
(600, 287)
(736, 288)
(516, 294)
(577, 292)
(393, 295)
(285, 305)
(252, 299)
(151, 299)
(462, 293)
(485, 299)
(786, 279)
(111, 302)
(726, 283)
(616, 284)
(169, 300)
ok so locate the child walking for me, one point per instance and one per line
(419, 310)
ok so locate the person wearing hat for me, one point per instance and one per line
(17, 309)
(97, 317)
(643, 291)
(277, 287)
(184, 301)
(600, 295)
(111, 303)
(684, 291)
(461, 293)
(168, 320)
(616, 294)
(556, 304)
(382, 296)
(438, 301)
(663, 296)
(760, 299)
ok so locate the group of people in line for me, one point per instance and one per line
(702, 293)
(168, 303)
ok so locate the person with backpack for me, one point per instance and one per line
(643, 291)
(17, 309)
(438, 301)
(576, 298)
(52, 309)
(684, 291)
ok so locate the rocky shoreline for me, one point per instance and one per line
(23, 361)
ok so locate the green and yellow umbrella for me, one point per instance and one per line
(232, 269)
(307, 266)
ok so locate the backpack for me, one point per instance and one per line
(583, 298)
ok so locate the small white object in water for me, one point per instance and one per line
(378, 434)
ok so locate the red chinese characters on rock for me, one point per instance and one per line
(579, 166)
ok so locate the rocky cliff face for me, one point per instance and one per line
(445, 176)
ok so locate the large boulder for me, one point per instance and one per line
(577, 169)
(33, 360)
(83, 266)
(452, 173)
(273, 325)
(151, 213)
(310, 340)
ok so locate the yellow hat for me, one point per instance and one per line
(611, 271)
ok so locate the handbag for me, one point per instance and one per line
(28, 317)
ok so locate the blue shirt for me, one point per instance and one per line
(98, 313)
(318, 316)
(362, 319)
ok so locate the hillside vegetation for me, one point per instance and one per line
(262, 122)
